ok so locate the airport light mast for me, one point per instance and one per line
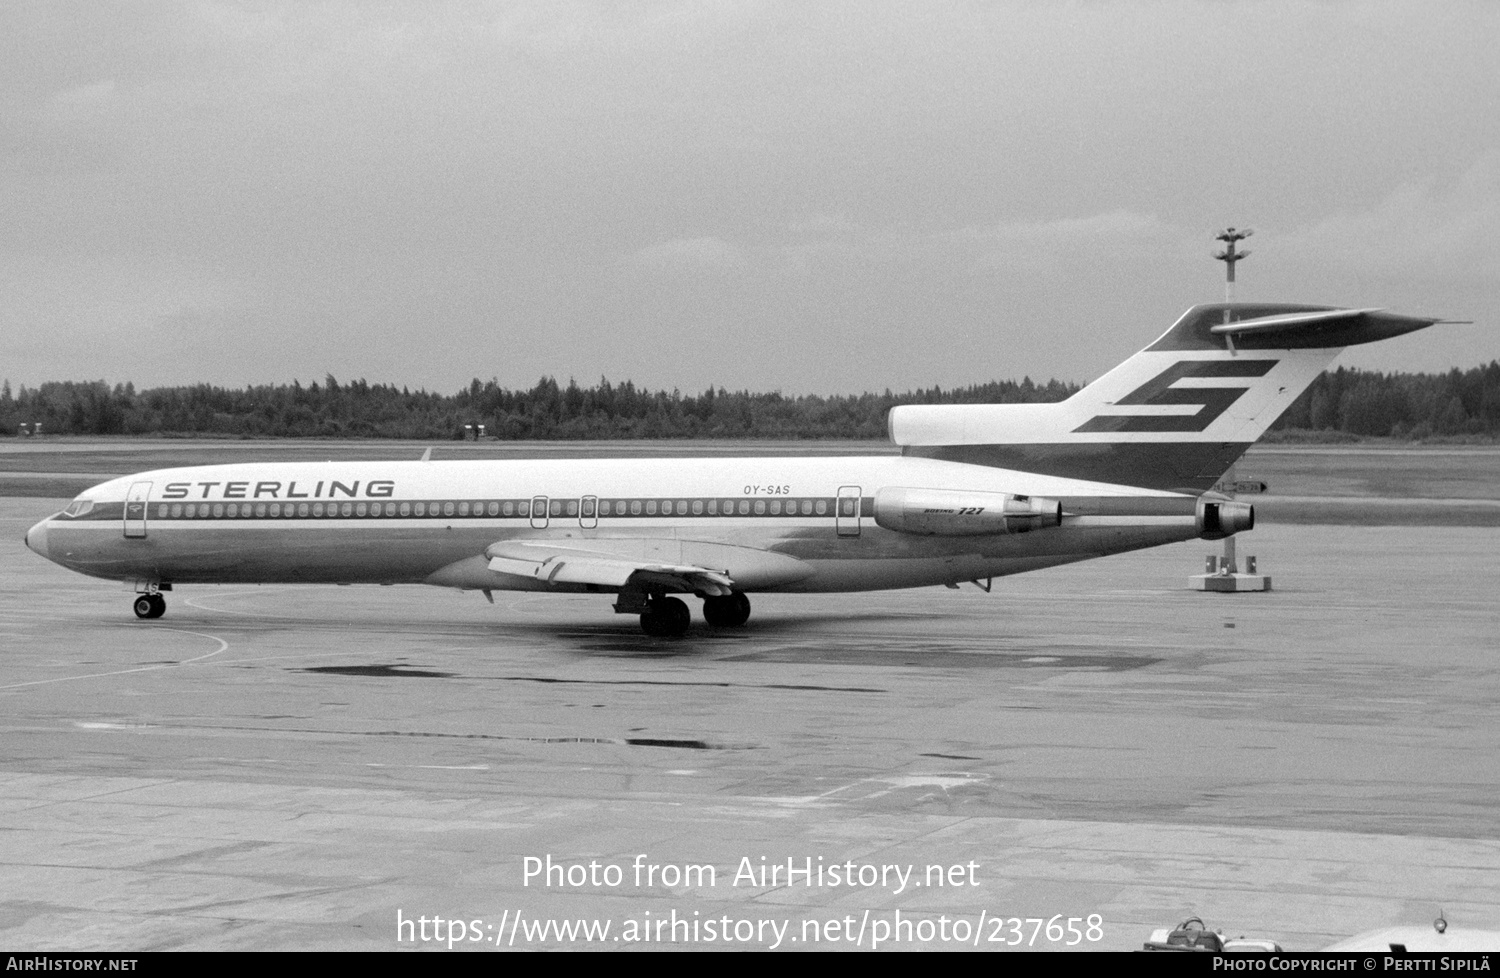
(1226, 576)
(1231, 237)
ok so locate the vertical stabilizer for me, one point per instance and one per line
(1176, 415)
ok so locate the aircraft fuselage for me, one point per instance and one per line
(431, 522)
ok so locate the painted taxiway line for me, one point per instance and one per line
(223, 645)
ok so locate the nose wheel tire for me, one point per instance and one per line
(727, 611)
(666, 618)
(150, 606)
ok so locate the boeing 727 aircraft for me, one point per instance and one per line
(979, 491)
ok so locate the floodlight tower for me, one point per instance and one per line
(1231, 237)
(1226, 576)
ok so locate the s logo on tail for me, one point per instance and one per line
(1159, 392)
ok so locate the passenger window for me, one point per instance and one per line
(775, 507)
(588, 508)
(523, 508)
(650, 507)
(682, 507)
(447, 509)
(406, 509)
(744, 507)
(760, 507)
(713, 507)
(697, 507)
(176, 510)
(604, 507)
(635, 507)
(572, 507)
(360, 509)
(463, 509)
(555, 508)
(493, 508)
(345, 509)
(822, 507)
(218, 510)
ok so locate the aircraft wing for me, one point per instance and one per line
(556, 563)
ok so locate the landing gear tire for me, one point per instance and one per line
(150, 606)
(727, 611)
(666, 618)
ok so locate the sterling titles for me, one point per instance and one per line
(326, 489)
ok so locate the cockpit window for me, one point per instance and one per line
(79, 507)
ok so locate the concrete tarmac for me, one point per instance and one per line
(303, 767)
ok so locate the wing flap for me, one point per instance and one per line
(553, 564)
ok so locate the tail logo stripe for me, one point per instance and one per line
(1160, 392)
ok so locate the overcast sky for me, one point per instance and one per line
(816, 197)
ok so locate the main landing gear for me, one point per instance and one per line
(151, 605)
(728, 611)
(666, 617)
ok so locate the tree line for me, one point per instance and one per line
(1342, 402)
(547, 411)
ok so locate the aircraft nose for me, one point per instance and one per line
(36, 539)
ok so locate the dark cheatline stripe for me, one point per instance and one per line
(1175, 466)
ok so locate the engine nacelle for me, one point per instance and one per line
(958, 513)
(1219, 517)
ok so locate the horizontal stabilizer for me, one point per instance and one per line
(1268, 324)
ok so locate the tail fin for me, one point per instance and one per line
(1175, 416)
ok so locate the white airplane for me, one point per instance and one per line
(979, 491)
(1439, 938)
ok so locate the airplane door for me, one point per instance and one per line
(846, 516)
(135, 509)
(538, 512)
(588, 512)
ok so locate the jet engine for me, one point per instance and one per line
(960, 513)
(1219, 517)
